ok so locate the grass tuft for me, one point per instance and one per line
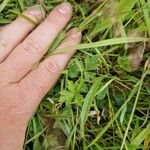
(102, 100)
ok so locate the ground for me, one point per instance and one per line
(102, 100)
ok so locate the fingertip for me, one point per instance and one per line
(60, 15)
(73, 37)
(74, 34)
(65, 8)
(36, 13)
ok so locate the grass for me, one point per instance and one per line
(102, 100)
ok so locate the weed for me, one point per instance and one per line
(102, 100)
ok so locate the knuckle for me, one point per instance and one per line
(51, 67)
(31, 46)
(55, 19)
(66, 44)
(35, 15)
(52, 20)
(3, 43)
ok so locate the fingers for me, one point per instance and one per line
(14, 33)
(45, 76)
(32, 49)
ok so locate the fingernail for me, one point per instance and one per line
(65, 8)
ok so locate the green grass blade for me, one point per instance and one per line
(102, 43)
(3, 5)
(133, 109)
(141, 136)
(35, 136)
(146, 13)
(133, 92)
(87, 104)
(123, 7)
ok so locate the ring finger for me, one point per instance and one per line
(14, 33)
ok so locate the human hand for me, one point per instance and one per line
(22, 87)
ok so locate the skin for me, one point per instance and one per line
(22, 85)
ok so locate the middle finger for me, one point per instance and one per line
(32, 49)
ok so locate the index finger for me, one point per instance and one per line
(31, 50)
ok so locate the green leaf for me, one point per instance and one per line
(4, 4)
(37, 145)
(79, 99)
(100, 134)
(124, 7)
(87, 104)
(50, 141)
(140, 138)
(84, 88)
(124, 63)
(71, 86)
(66, 96)
(102, 94)
(91, 63)
(146, 13)
(73, 69)
(88, 76)
(122, 116)
(119, 99)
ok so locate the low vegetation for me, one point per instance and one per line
(102, 100)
